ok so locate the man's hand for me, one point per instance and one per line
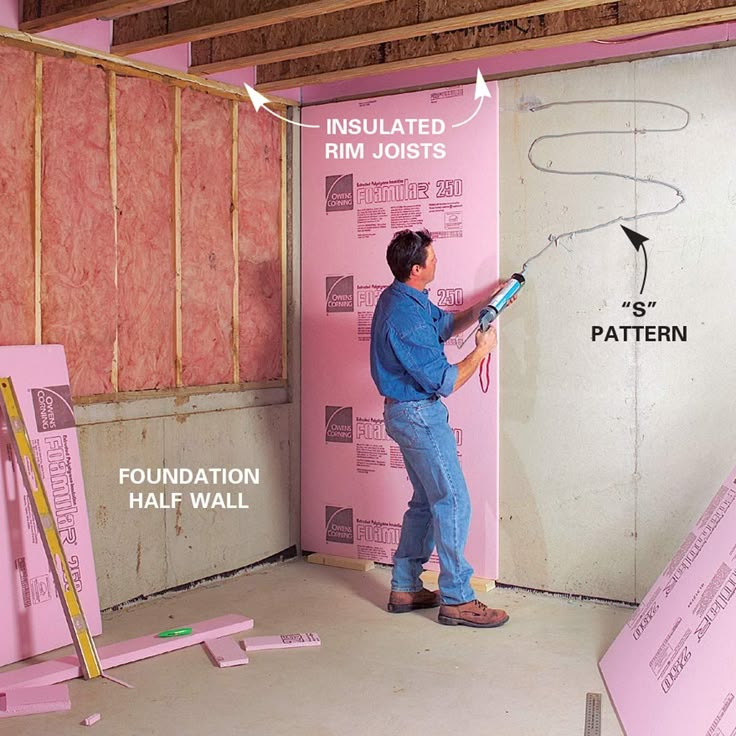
(486, 341)
(467, 317)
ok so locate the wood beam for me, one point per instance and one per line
(112, 138)
(131, 67)
(176, 227)
(349, 29)
(37, 181)
(609, 21)
(195, 20)
(286, 198)
(235, 231)
(43, 15)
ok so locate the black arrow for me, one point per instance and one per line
(638, 240)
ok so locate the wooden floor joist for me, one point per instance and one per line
(350, 29)
(43, 15)
(194, 20)
(601, 22)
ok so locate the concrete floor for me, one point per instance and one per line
(375, 673)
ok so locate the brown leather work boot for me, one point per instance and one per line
(472, 613)
(401, 602)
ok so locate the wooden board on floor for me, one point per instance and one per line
(482, 585)
(348, 562)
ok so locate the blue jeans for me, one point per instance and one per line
(439, 510)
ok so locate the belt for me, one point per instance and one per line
(388, 401)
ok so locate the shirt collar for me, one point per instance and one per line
(422, 297)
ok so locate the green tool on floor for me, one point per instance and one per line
(175, 632)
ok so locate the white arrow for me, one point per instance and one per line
(481, 91)
(260, 101)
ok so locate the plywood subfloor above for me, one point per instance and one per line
(299, 42)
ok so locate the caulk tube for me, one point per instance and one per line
(500, 300)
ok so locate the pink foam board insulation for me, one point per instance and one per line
(670, 672)
(354, 483)
(118, 681)
(29, 700)
(31, 617)
(146, 265)
(225, 652)
(124, 652)
(207, 258)
(259, 245)
(281, 641)
(16, 193)
(79, 303)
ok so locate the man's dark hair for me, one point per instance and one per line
(407, 248)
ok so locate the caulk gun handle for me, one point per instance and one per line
(487, 316)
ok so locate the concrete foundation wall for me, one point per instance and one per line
(610, 451)
(142, 551)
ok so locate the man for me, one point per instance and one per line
(410, 370)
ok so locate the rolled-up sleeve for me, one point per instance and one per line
(423, 358)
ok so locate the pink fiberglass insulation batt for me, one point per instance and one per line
(16, 193)
(31, 617)
(208, 264)
(259, 242)
(78, 264)
(146, 273)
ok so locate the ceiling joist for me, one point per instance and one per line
(43, 15)
(602, 22)
(298, 42)
(199, 19)
(350, 29)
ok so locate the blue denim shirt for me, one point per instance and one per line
(408, 360)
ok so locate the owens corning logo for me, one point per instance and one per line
(338, 524)
(339, 294)
(53, 408)
(338, 193)
(338, 424)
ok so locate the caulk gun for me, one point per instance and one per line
(500, 300)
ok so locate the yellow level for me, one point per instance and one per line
(83, 642)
